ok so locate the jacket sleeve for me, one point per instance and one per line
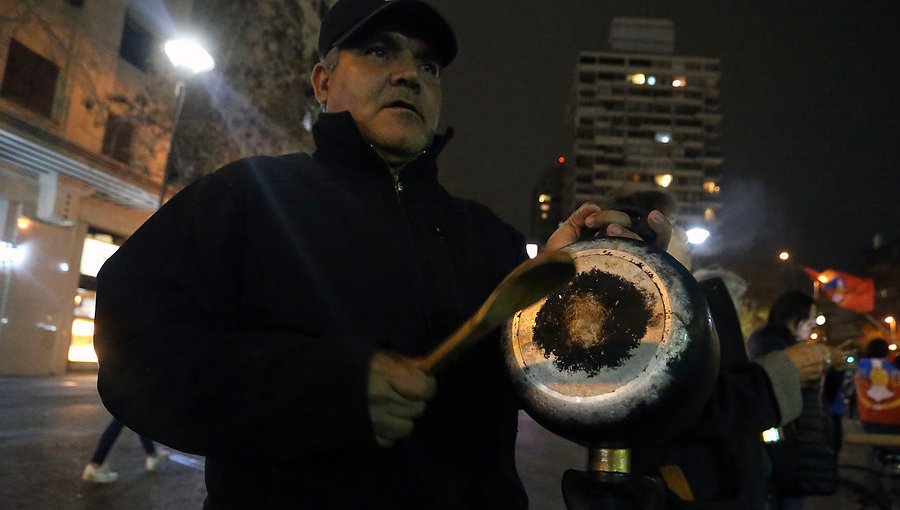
(177, 366)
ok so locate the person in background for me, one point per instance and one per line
(878, 390)
(803, 461)
(98, 471)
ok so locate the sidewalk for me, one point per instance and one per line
(49, 427)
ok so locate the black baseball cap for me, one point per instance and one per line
(348, 18)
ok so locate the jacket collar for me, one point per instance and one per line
(338, 139)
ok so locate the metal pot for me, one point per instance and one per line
(623, 355)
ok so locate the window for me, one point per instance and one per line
(137, 43)
(117, 138)
(30, 79)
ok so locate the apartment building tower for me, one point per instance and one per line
(647, 118)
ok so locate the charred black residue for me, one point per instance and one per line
(593, 323)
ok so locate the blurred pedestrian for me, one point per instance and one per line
(803, 461)
(99, 472)
(878, 389)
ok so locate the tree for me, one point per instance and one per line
(259, 99)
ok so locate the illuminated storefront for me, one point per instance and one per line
(98, 247)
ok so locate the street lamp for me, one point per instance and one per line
(697, 235)
(784, 255)
(889, 320)
(189, 58)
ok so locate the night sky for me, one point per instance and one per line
(811, 128)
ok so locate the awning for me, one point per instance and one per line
(42, 159)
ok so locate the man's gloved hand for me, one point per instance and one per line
(616, 224)
(808, 359)
(397, 394)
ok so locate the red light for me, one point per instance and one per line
(562, 159)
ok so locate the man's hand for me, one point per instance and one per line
(397, 394)
(614, 223)
(808, 359)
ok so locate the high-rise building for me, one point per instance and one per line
(647, 118)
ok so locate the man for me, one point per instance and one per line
(266, 317)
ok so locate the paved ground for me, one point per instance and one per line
(49, 427)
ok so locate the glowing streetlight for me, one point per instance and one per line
(188, 57)
(188, 54)
(889, 320)
(784, 255)
(697, 235)
(820, 320)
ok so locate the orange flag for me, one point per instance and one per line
(848, 291)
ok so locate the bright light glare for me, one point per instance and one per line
(814, 336)
(892, 347)
(851, 359)
(23, 223)
(531, 249)
(697, 235)
(889, 319)
(638, 79)
(82, 353)
(822, 278)
(820, 320)
(11, 254)
(64, 267)
(771, 436)
(663, 137)
(663, 180)
(651, 80)
(188, 54)
(784, 255)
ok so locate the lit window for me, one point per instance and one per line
(711, 187)
(663, 137)
(663, 180)
(679, 81)
(81, 348)
(637, 79)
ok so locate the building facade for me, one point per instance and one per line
(647, 118)
(86, 102)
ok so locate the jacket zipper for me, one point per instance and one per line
(398, 190)
(398, 186)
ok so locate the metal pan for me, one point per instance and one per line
(623, 355)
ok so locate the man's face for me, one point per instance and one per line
(390, 84)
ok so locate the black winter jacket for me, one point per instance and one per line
(238, 322)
